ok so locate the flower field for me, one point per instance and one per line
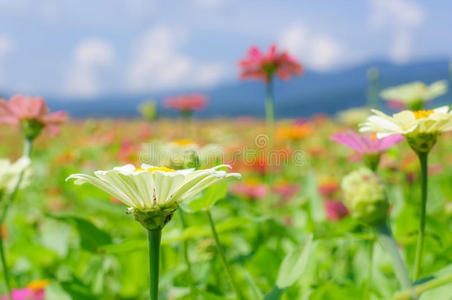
(284, 228)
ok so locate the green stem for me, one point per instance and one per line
(423, 159)
(4, 213)
(223, 257)
(154, 237)
(270, 122)
(369, 270)
(5, 267)
(186, 258)
(390, 246)
(419, 289)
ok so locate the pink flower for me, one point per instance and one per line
(335, 210)
(365, 144)
(260, 66)
(31, 111)
(186, 103)
(286, 190)
(250, 189)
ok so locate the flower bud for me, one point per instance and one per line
(365, 197)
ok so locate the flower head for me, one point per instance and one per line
(251, 189)
(365, 197)
(263, 66)
(365, 144)
(414, 95)
(186, 103)
(32, 114)
(154, 193)
(10, 172)
(409, 122)
(420, 128)
(335, 210)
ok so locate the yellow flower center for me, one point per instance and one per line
(164, 169)
(38, 284)
(374, 136)
(421, 114)
(183, 142)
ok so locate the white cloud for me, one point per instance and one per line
(401, 18)
(158, 63)
(89, 58)
(6, 46)
(319, 52)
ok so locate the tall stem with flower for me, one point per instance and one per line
(153, 194)
(421, 129)
(32, 116)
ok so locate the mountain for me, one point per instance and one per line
(299, 97)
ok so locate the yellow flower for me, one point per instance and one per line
(38, 284)
(415, 93)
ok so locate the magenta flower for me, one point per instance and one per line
(262, 66)
(32, 114)
(250, 189)
(26, 294)
(365, 144)
(335, 210)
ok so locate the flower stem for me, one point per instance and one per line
(369, 270)
(5, 267)
(223, 257)
(390, 246)
(186, 258)
(154, 237)
(423, 159)
(419, 289)
(270, 122)
(4, 213)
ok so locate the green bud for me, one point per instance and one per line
(156, 219)
(31, 128)
(422, 142)
(365, 197)
(191, 160)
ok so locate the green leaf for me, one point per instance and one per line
(294, 265)
(91, 237)
(317, 209)
(275, 293)
(208, 199)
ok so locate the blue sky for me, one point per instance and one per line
(87, 48)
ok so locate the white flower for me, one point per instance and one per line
(154, 188)
(10, 173)
(416, 91)
(409, 123)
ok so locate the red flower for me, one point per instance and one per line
(186, 103)
(335, 210)
(31, 113)
(260, 66)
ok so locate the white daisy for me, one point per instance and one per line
(415, 92)
(10, 173)
(152, 188)
(409, 123)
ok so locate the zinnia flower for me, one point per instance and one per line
(365, 144)
(419, 127)
(10, 173)
(154, 193)
(414, 95)
(251, 189)
(32, 114)
(335, 210)
(260, 66)
(186, 103)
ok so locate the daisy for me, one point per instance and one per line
(154, 191)
(414, 95)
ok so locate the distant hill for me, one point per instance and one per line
(299, 97)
